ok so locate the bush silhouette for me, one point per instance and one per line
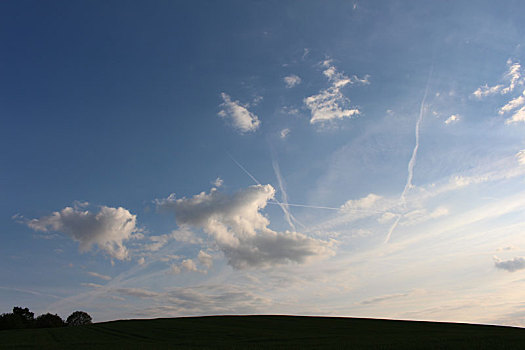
(78, 318)
(49, 321)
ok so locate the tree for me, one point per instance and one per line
(49, 321)
(24, 313)
(11, 321)
(78, 318)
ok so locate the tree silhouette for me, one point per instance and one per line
(24, 313)
(78, 318)
(48, 321)
(19, 318)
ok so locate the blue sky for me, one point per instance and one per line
(344, 158)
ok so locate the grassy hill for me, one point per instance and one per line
(267, 332)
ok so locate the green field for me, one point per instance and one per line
(266, 332)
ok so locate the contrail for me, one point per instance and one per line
(308, 206)
(284, 195)
(392, 228)
(412, 162)
(243, 169)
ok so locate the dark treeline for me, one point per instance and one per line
(22, 318)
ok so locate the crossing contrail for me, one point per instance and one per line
(272, 201)
(284, 195)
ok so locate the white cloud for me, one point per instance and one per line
(240, 117)
(331, 104)
(107, 229)
(518, 116)
(367, 202)
(513, 104)
(512, 265)
(485, 90)
(91, 285)
(284, 133)
(218, 182)
(292, 80)
(452, 119)
(521, 157)
(512, 75)
(189, 265)
(239, 229)
(98, 275)
(205, 259)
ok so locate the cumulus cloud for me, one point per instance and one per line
(108, 229)
(292, 80)
(452, 119)
(520, 156)
(512, 265)
(239, 116)
(240, 231)
(330, 104)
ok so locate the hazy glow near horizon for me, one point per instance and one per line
(344, 158)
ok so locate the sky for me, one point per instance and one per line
(342, 158)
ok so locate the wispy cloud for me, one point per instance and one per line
(383, 298)
(518, 116)
(203, 300)
(239, 116)
(292, 80)
(486, 90)
(520, 156)
(98, 275)
(512, 77)
(513, 104)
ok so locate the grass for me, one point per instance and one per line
(266, 332)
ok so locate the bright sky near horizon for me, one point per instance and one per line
(349, 158)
